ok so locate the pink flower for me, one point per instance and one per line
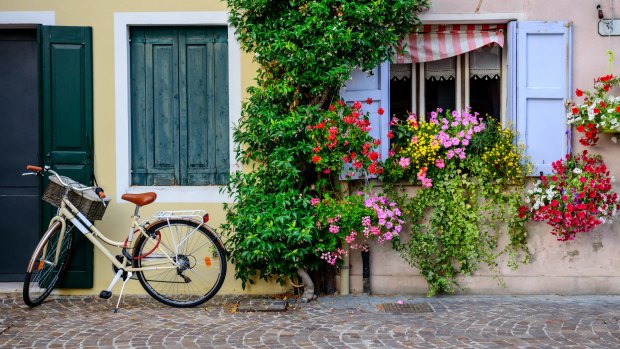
(440, 163)
(404, 162)
(314, 201)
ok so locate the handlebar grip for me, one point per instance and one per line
(34, 168)
(100, 192)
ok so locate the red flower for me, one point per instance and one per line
(357, 105)
(332, 107)
(580, 128)
(575, 110)
(377, 142)
(373, 156)
(316, 159)
(603, 104)
(597, 110)
(320, 125)
(380, 111)
(582, 179)
(618, 109)
(390, 134)
(579, 93)
(368, 100)
(606, 87)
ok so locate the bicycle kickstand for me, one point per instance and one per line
(120, 295)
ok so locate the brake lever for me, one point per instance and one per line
(30, 174)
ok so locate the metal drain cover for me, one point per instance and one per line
(406, 308)
(262, 304)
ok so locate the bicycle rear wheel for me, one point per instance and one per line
(47, 264)
(197, 255)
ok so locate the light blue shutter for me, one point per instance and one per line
(375, 84)
(543, 84)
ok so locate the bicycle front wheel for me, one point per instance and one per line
(47, 264)
(183, 261)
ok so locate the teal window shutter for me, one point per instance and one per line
(179, 84)
(543, 84)
(204, 118)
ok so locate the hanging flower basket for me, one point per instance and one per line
(597, 111)
(575, 198)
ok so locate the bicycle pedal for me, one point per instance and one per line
(105, 294)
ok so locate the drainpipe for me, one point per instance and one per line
(344, 273)
(366, 268)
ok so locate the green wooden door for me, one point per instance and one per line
(67, 120)
(179, 106)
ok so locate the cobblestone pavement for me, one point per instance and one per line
(329, 322)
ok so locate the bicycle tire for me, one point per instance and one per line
(201, 262)
(45, 268)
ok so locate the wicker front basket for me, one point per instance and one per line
(86, 201)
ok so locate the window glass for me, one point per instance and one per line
(484, 80)
(440, 84)
(401, 103)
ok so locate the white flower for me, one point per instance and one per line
(577, 170)
(527, 199)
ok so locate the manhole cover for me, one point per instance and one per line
(406, 308)
(262, 304)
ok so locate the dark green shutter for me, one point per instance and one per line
(188, 138)
(67, 117)
(155, 106)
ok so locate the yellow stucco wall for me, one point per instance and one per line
(100, 16)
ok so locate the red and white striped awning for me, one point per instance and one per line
(434, 42)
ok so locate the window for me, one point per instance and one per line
(179, 106)
(449, 67)
(520, 74)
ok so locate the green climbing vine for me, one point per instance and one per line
(470, 194)
(306, 50)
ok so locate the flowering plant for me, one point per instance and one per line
(575, 198)
(356, 220)
(421, 147)
(342, 137)
(597, 112)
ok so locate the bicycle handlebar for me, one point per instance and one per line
(40, 170)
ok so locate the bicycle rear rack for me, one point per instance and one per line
(197, 214)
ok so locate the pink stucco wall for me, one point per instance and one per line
(591, 263)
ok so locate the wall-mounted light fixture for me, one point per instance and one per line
(607, 26)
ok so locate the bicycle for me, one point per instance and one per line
(177, 258)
